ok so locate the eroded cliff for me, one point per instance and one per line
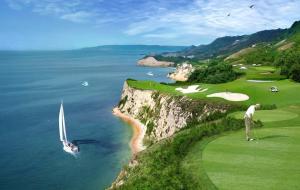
(164, 114)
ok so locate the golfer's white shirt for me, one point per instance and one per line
(250, 111)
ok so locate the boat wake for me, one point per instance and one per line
(85, 141)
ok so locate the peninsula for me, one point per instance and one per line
(188, 134)
(152, 62)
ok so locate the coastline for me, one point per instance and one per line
(139, 130)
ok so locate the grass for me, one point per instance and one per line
(271, 162)
(192, 166)
(263, 73)
(258, 92)
(268, 115)
(191, 160)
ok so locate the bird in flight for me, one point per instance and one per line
(228, 14)
(251, 6)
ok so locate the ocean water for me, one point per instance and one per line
(32, 85)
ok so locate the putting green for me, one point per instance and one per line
(268, 115)
(272, 162)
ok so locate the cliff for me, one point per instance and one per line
(163, 114)
(152, 62)
(182, 72)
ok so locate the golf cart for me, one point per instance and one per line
(274, 89)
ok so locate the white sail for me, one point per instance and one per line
(62, 126)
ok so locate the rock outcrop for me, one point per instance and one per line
(163, 114)
(182, 72)
(152, 62)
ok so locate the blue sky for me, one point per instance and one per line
(68, 24)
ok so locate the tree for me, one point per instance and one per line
(295, 72)
(216, 72)
(289, 61)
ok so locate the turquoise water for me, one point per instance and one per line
(32, 84)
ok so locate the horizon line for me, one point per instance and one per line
(81, 48)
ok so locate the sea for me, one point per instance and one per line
(32, 86)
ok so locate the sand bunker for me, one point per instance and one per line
(191, 89)
(260, 81)
(230, 96)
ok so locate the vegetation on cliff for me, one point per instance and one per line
(216, 72)
(160, 166)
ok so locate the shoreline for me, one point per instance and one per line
(139, 130)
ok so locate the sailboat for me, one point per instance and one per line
(85, 83)
(150, 73)
(67, 146)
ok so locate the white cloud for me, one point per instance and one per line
(71, 10)
(173, 20)
(80, 16)
(161, 35)
(209, 18)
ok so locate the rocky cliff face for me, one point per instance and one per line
(182, 72)
(164, 114)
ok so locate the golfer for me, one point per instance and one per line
(249, 120)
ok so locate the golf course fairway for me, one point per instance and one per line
(272, 161)
(268, 115)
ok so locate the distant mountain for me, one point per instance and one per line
(136, 47)
(227, 45)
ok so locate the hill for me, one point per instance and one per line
(225, 46)
(230, 44)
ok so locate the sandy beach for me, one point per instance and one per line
(139, 130)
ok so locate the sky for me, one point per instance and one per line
(71, 24)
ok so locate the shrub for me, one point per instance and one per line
(268, 107)
(122, 102)
(216, 72)
(150, 127)
(295, 72)
(289, 61)
(130, 79)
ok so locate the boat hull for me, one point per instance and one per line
(70, 148)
